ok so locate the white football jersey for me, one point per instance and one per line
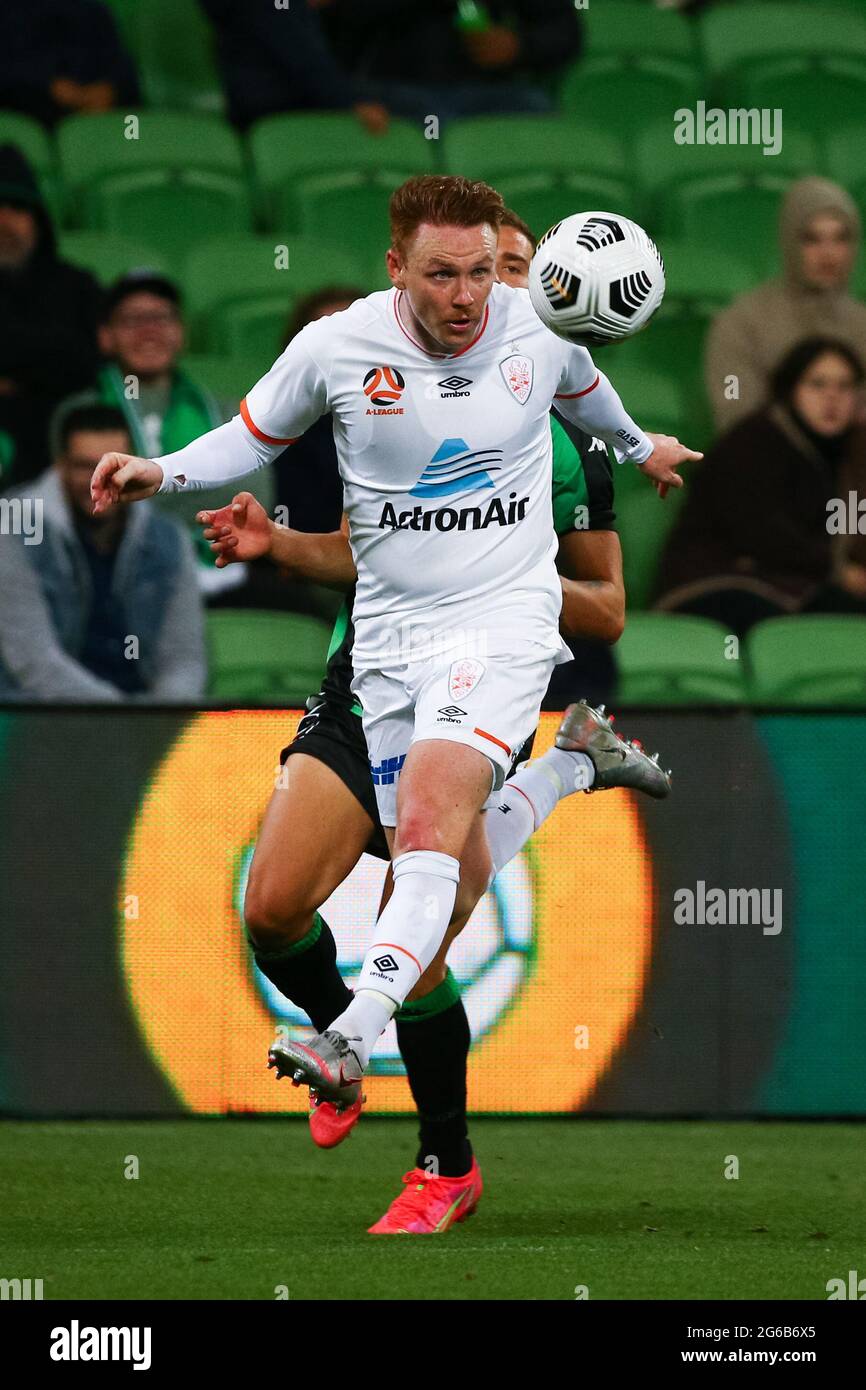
(445, 461)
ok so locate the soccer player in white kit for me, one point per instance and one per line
(440, 390)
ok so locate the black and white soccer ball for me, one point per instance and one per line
(596, 277)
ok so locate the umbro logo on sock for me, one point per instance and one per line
(385, 963)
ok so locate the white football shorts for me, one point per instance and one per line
(492, 705)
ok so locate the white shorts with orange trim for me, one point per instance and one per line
(492, 705)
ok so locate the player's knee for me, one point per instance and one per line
(418, 830)
(271, 922)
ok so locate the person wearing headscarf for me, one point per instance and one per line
(820, 235)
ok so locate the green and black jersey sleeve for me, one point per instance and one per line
(582, 480)
(582, 501)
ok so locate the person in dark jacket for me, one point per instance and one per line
(58, 57)
(48, 317)
(276, 58)
(484, 56)
(760, 534)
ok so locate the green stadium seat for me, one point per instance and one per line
(845, 162)
(544, 166)
(644, 521)
(91, 146)
(289, 150)
(239, 302)
(808, 660)
(354, 204)
(737, 39)
(672, 659)
(817, 95)
(651, 397)
(258, 656)
(227, 378)
(108, 257)
(722, 197)
(173, 211)
(701, 277)
(633, 27)
(670, 347)
(655, 86)
(172, 44)
(482, 146)
(30, 138)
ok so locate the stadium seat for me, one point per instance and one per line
(544, 166)
(90, 147)
(672, 659)
(239, 302)
(808, 660)
(845, 163)
(178, 178)
(816, 94)
(741, 39)
(649, 395)
(643, 521)
(354, 203)
(172, 44)
(492, 145)
(30, 138)
(108, 257)
(655, 87)
(289, 150)
(633, 27)
(722, 197)
(258, 656)
(227, 378)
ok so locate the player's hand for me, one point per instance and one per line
(123, 478)
(667, 456)
(237, 532)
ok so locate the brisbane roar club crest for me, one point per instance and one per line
(464, 676)
(383, 387)
(517, 373)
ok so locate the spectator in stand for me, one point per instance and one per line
(467, 57)
(142, 337)
(96, 608)
(276, 59)
(820, 237)
(48, 318)
(757, 535)
(59, 57)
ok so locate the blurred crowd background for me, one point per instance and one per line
(184, 185)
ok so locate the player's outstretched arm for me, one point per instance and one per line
(244, 531)
(593, 593)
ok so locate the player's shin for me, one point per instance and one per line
(408, 934)
(529, 797)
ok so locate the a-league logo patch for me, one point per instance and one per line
(464, 676)
(517, 373)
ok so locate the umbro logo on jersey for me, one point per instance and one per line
(385, 963)
(384, 386)
(454, 386)
(451, 714)
(453, 710)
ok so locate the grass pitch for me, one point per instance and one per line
(234, 1209)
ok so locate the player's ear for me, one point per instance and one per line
(394, 264)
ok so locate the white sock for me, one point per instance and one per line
(408, 934)
(364, 1020)
(529, 797)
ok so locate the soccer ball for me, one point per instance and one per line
(596, 277)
